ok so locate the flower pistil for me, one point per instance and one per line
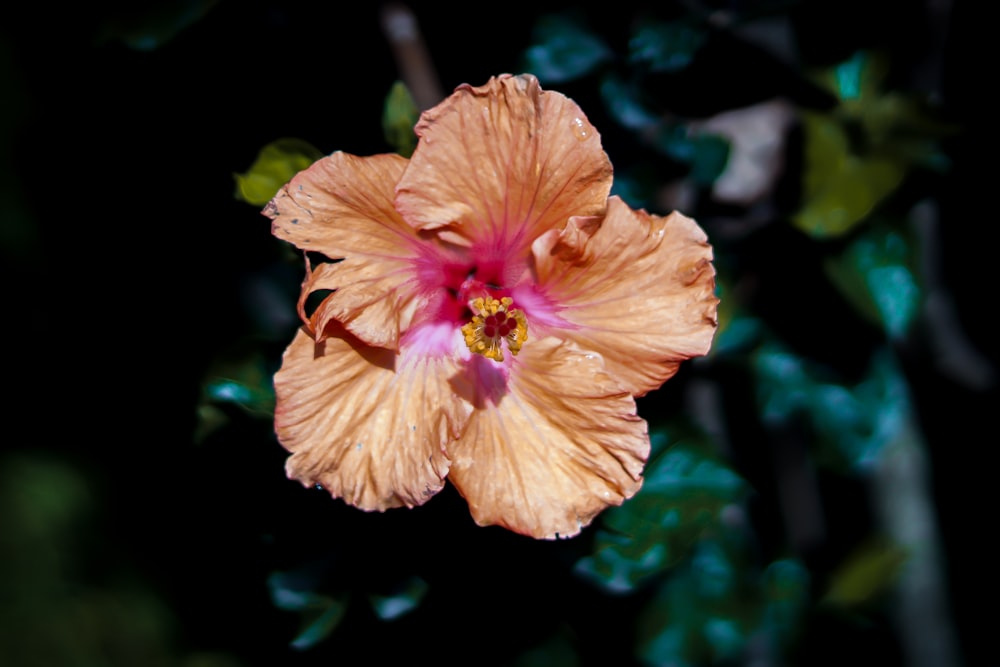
(494, 321)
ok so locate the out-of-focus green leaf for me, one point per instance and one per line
(848, 172)
(867, 573)
(859, 77)
(624, 102)
(854, 423)
(711, 606)
(706, 153)
(210, 418)
(251, 394)
(563, 49)
(783, 384)
(41, 500)
(674, 140)
(739, 334)
(894, 124)
(67, 597)
(876, 274)
(317, 626)
(666, 46)
(702, 614)
(685, 489)
(399, 117)
(319, 613)
(275, 165)
(556, 651)
(785, 585)
(899, 126)
(239, 377)
(408, 598)
(711, 153)
(840, 188)
(737, 330)
(148, 26)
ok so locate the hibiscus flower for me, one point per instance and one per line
(493, 316)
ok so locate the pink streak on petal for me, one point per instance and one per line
(433, 339)
(489, 380)
(542, 312)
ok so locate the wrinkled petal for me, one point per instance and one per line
(342, 207)
(375, 301)
(367, 424)
(640, 291)
(500, 164)
(544, 452)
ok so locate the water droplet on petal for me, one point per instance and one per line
(581, 129)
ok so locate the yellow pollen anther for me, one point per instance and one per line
(494, 321)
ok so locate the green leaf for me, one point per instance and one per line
(556, 651)
(867, 573)
(399, 117)
(666, 46)
(739, 335)
(317, 626)
(685, 489)
(853, 424)
(275, 165)
(785, 586)
(674, 140)
(624, 102)
(408, 598)
(858, 78)
(703, 613)
(563, 49)
(707, 154)
(239, 377)
(737, 331)
(716, 603)
(711, 154)
(876, 273)
(840, 188)
(148, 26)
(319, 613)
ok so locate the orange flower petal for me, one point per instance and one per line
(546, 451)
(502, 163)
(640, 290)
(366, 423)
(342, 207)
(374, 299)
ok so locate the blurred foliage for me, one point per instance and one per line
(870, 571)
(320, 613)
(398, 119)
(275, 165)
(841, 187)
(684, 495)
(239, 378)
(150, 25)
(852, 423)
(666, 46)
(714, 605)
(54, 609)
(877, 272)
(857, 154)
(564, 49)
